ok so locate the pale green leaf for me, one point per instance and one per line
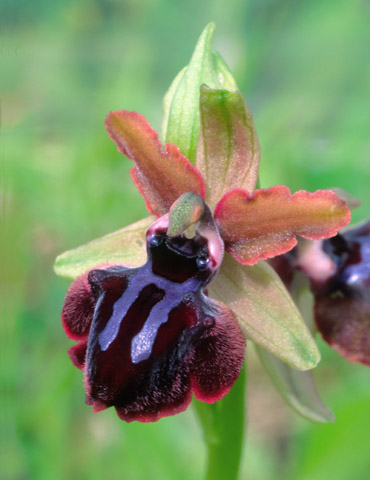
(297, 388)
(125, 247)
(225, 78)
(265, 311)
(304, 299)
(181, 103)
(167, 102)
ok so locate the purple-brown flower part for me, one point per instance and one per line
(342, 309)
(154, 337)
(78, 309)
(339, 271)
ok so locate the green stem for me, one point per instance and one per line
(223, 426)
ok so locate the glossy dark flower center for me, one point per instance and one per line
(179, 258)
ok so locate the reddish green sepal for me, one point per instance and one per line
(265, 224)
(228, 150)
(160, 175)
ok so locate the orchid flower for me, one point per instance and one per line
(161, 309)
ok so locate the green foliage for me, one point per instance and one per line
(297, 388)
(181, 103)
(223, 425)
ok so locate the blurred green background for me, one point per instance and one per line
(304, 68)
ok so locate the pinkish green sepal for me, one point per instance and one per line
(228, 150)
(265, 311)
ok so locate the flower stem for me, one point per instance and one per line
(223, 426)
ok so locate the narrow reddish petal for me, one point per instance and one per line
(78, 309)
(265, 224)
(160, 175)
(77, 354)
(218, 356)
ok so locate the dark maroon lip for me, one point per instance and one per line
(150, 335)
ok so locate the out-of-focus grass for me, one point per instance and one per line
(303, 67)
